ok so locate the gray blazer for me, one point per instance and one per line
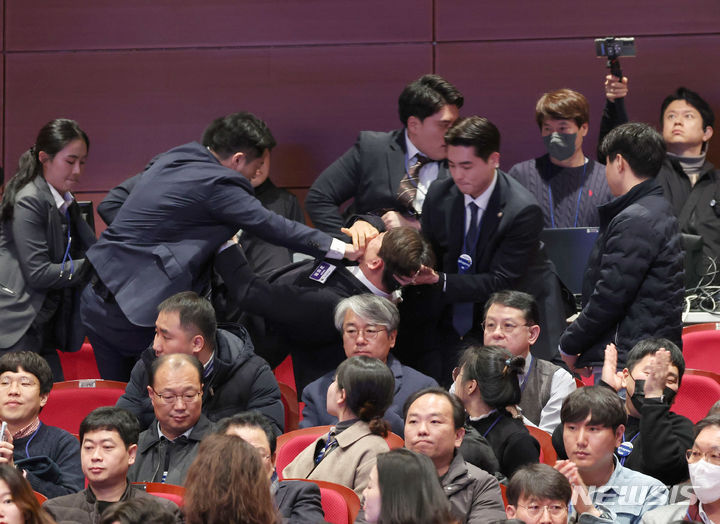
(32, 246)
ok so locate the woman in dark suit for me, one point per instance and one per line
(43, 240)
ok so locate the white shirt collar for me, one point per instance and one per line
(59, 199)
(412, 151)
(161, 434)
(357, 273)
(482, 200)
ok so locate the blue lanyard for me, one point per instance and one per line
(67, 256)
(493, 424)
(577, 204)
(527, 375)
(622, 459)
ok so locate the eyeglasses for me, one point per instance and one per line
(712, 456)
(187, 398)
(506, 328)
(535, 510)
(370, 332)
(23, 382)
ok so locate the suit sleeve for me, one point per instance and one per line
(307, 505)
(281, 303)
(337, 184)
(311, 411)
(111, 204)
(627, 255)
(508, 264)
(136, 398)
(29, 229)
(265, 397)
(669, 438)
(614, 114)
(232, 204)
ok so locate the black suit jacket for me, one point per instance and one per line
(32, 246)
(370, 172)
(298, 309)
(508, 255)
(299, 502)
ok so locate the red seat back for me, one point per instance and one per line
(165, 491)
(70, 402)
(547, 451)
(701, 348)
(291, 449)
(698, 392)
(340, 504)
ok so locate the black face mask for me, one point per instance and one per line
(638, 398)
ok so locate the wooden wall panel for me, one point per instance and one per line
(109, 24)
(482, 20)
(136, 105)
(503, 80)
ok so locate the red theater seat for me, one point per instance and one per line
(69, 402)
(339, 503)
(699, 390)
(701, 346)
(166, 491)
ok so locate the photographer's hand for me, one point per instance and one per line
(615, 88)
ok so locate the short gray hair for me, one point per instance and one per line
(373, 309)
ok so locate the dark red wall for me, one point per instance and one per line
(143, 76)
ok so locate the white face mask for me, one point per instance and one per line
(705, 478)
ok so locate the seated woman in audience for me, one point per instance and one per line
(227, 483)
(43, 239)
(486, 381)
(404, 487)
(18, 504)
(361, 392)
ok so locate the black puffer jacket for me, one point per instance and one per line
(633, 285)
(241, 381)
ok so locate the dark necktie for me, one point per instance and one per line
(463, 311)
(409, 184)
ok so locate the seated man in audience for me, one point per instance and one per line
(167, 448)
(297, 501)
(568, 185)
(368, 324)
(538, 494)
(298, 305)
(594, 419)
(234, 378)
(658, 437)
(636, 259)
(511, 322)
(389, 173)
(434, 422)
(48, 456)
(109, 437)
(704, 464)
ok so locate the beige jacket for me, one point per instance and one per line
(348, 464)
